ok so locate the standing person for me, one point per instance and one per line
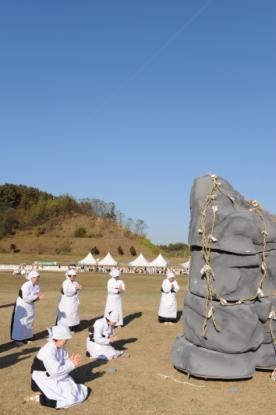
(50, 373)
(115, 288)
(22, 324)
(68, 306)
(168, 305)
(101, 335)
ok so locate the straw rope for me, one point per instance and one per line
(206, 249)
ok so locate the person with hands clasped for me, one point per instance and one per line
(101, 334)
(115, 289)
(22, 324)
(168, 305)
(50, 373)
(68, 306)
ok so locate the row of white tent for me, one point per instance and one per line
(140, 261)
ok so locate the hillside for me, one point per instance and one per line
(58, 239)
(35, 225)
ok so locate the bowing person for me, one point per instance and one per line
(50, 373)
(22, 324)
(168, 305)
(101, 336)
(68, 306)
(115, 289)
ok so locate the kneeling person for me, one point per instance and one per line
(50, 373)
(102, 334)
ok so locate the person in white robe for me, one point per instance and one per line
(50, 373)
(168, 305)
(115, 289)
(68, 305)
(101, 335)
(22, 323)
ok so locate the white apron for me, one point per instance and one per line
(68, 305)
(114, 299)
(59, 386)
(22, 324)
(168, 303)
(100, 348)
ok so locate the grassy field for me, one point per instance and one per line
(135, 387)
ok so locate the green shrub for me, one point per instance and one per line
(80, 232)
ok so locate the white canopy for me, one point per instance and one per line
(88, 260)
(158, 262)
(108, 260)
(186, 265)
(140, 261)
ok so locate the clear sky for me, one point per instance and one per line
(129, 101)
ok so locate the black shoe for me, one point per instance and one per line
(88, 354)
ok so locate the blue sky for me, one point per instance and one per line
(130, 101)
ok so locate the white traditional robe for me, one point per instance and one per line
(68, 305)
(168, 303)
(100, 348)
(22, 324)
(114, 299)
(59, 386)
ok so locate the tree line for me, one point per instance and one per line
(22, 206)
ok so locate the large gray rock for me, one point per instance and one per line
(242, 281)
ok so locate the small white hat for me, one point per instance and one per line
(60, 332)
(115, 273)
(113, 316)
(170, 275)
(32, 274)
(72, 272)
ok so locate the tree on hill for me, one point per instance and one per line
(120, 250)
(94, 251)
(132, 251)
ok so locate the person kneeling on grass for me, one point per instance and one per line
(50, 373)
(101, 335)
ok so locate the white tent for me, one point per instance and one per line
(158, 262)
(88, 260)
(140, 261)
(186, 265)
(108, 260)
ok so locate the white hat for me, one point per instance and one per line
(170, 275)
(72, 272)
(60, 332)
(113, 316)
(115, 273)
(32, 274)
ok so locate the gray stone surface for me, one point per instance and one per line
(240, 277)
(210, 364)
(235, 276)
(266, 356)
(240, 328)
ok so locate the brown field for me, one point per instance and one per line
(135, 387)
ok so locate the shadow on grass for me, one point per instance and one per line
(179, 315)
(128, 319)
(85, 373)
(121, 343)
(22, 354)
(85, 324)
(7, 305)
(42, 335)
